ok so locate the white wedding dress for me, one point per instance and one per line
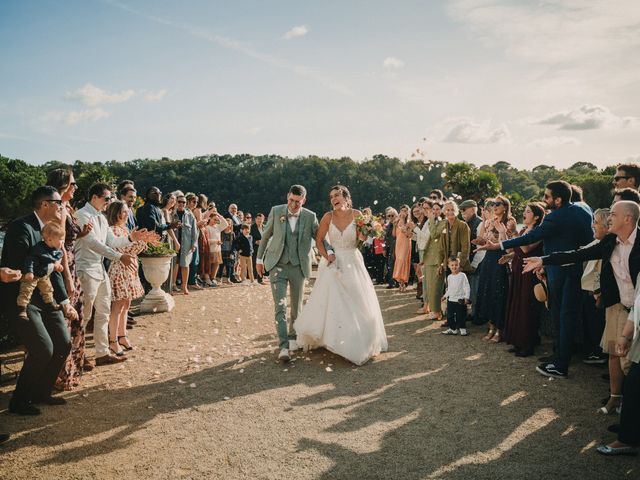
(343, 314)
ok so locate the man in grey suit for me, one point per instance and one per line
(285, 251)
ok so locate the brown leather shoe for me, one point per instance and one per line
(109, 359)
(88, 366)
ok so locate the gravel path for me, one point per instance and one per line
(203, 396)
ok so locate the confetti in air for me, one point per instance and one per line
(421, 177)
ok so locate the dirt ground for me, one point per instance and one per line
(203, 396)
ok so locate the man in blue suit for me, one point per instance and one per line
(567, 227)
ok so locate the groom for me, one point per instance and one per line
(285, 251)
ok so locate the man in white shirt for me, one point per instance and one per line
(90, 251)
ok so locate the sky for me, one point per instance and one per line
(528, 82)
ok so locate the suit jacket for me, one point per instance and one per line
(256, 234)
(602, 251)
(431, 255)
(150, 217)
(22, 235)
(564, 229)
(271, 251)
(460, 243)
(244, 245)
(473, 224)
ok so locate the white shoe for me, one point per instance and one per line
(448, 331)
(293, 345)
(284, 355)
(463, 332)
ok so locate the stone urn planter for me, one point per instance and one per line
(156, 270)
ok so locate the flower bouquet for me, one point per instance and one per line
(368, 226)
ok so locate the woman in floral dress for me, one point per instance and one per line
(125, 283)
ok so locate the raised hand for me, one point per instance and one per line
(144, 235)
(531, 264)
(488, 246)
(57, 266)
(86, 229)
(8, 275)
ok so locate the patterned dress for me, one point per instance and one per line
(125, 282)
(69, 376)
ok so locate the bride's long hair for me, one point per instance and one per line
(345, 193)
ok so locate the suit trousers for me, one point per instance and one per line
(97, 293)
(281, 276)
(246, 268)
(593, 319)
(564, 305)
(46, 337)
(630, 416)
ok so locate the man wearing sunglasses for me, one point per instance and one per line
(90, 251)
(44, 333)
(627, 176)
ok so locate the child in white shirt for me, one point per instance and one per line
(457, 295)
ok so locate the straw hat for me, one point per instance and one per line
(540, 292)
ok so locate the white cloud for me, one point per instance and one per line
(554, 142)
(92, 96)
(75, 117)
(299, 31)
(466, 130)
(588, 117)
(392, 62)
(632, 159)
(553, 31)
(156, 96)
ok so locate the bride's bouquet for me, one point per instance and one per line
(368, 226)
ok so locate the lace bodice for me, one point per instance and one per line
(345, 240)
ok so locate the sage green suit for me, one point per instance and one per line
(286, 255)
(433, 287)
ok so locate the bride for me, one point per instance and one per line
(342, 314)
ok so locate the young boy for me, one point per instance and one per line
(227, 237)
(244, 246)
(43, 259)
(457, 295)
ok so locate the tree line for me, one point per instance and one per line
(256, 183)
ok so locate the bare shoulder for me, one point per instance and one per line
(355, 212)
(326, 218)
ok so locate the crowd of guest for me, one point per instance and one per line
(470, 260)
(580, 267)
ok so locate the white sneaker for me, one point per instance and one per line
(463, 332)
(448, 331)
(293, 345)
(284, 355)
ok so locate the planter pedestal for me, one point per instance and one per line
(156, 271)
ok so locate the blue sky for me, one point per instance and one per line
(528, 82)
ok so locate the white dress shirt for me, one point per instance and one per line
(458, 287)
(620, 264)
(293, 219)
(422, 235)
(97, 244)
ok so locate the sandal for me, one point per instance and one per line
(489, 335)
(607, 409)
(496, 337)
(118, 350)
(126, 346)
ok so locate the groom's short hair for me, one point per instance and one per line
(298, 190)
